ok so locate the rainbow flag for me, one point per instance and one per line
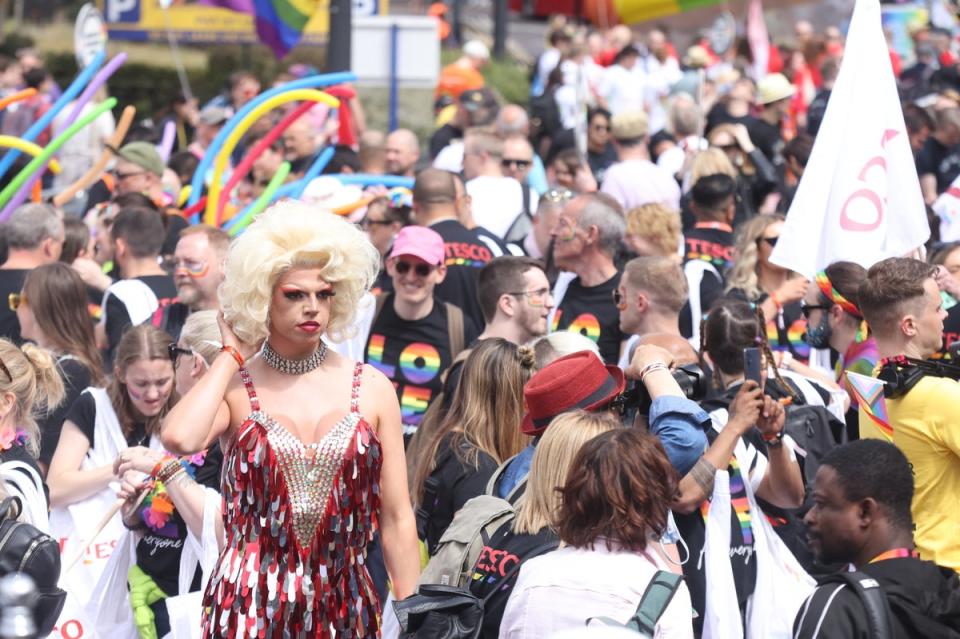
(633, 11)
(869, 393)
(280, 23)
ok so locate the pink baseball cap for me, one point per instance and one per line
(419, 241)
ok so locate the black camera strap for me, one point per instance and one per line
(901, 373)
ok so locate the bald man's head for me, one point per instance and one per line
(513, 120)
(434, 188)
(300, 140)
(402, 152)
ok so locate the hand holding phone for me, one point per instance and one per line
(753, 365)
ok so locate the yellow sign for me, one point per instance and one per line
(195, 23)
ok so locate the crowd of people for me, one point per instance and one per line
(560, 372)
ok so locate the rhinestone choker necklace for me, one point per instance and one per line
(293, 366)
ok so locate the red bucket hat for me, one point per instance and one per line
(577, 380)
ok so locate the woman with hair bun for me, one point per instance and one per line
(613, 510)
(29, 386)
(479, 432)
(313, 450)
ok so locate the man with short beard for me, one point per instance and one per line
(198, 271)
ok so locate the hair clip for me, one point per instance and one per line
(758, 340)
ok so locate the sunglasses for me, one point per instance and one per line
(175, 352)
(537, 298)
(772, 241)
(557, 195)
(520, 164)
(14, 300)
(422, 270)
(124, 176)
(806, 309)
(366, 223)
(618, 298)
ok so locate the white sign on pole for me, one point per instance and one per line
(89, 35)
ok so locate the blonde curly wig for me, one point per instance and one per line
(286, 235)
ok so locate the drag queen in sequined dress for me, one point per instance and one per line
(313, 452)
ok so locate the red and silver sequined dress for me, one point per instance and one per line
(297, 520)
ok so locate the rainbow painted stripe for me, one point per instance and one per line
(740, 505)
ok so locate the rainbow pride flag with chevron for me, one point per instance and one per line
(280, 23)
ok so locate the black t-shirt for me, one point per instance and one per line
(83, 413)
(159, 550)
(600, 162)
(590, 311)
(11, 281)
(939, 160)
(692, 527)
(768, 138)
(453, 482)
(118, 318)
(384, 283)
(710, 242)
(499, 555)
(466, 253)
(442, 137)
(951, 330)
(413, 355)
(76, 377)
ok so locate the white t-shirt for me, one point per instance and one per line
(623, 89)
(634, 183)
(497, 201)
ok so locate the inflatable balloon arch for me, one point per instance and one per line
(213, 174)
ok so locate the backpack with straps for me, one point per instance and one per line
(464, 539)
(874, 600)
(653, 604)
(450, 612)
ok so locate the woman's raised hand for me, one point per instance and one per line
(229, 338)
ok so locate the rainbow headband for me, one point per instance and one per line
(832, 294)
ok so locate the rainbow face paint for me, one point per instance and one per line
(195, 270)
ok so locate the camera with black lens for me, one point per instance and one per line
(636, 400)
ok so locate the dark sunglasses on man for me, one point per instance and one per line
(509, 163)
(421, 269)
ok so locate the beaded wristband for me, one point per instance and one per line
(234, 353)
(159, 465)
(176, 476)
(169, 469)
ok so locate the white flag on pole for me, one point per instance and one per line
(758, 39)
(859, 198)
